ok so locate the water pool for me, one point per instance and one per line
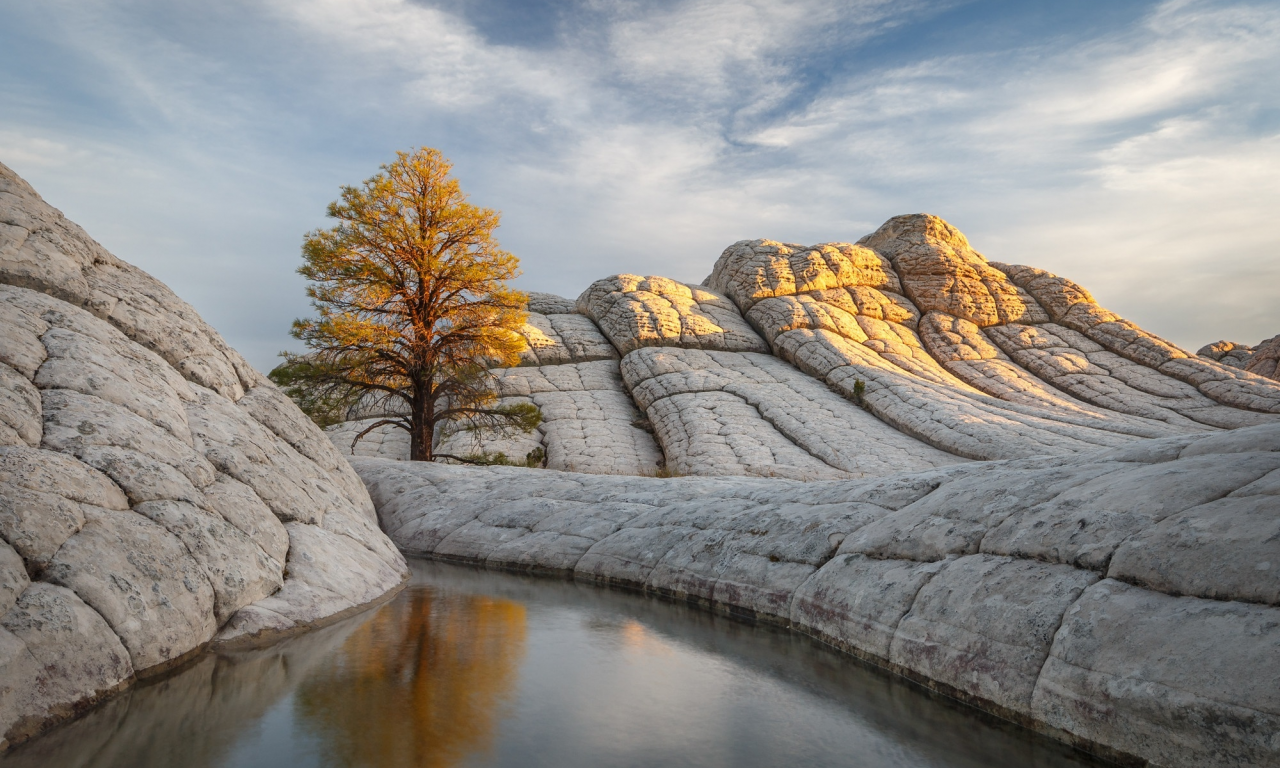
(467, 667)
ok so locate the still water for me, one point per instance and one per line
(473, 668)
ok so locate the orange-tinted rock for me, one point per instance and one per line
(941, 272)
(1266, 359)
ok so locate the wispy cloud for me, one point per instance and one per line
(200, 140)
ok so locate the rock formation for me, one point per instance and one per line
(157, 494)
(905, 351)
(966, 471)
(1265, 360)
(1020, 498)
(1261, 360)
(1126, 600)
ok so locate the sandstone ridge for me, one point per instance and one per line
(1013, 495)
(1125, 600)
(157, 494)
(904, 351)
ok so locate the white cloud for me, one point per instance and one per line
(650, 135)
(39, 151)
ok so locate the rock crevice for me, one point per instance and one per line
(157, 494)
(989, 581)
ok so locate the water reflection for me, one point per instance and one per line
(423, 683)
(471, 668)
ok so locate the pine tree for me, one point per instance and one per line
(414, 309)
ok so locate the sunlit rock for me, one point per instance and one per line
(1265, 360)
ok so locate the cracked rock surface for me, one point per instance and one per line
(963, 470)
(966, 471)
(1261, 360)
(1125, 599)
(157, 494)
(904, 351)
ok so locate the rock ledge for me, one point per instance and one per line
(1126, 601)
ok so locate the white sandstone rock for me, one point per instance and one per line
(636, 312)
(142, 580)
(20, 414)
(329, 574)
(41, 493)
(984, 624)
(143, 459)
(563, 337)
(55, 651)
(1178, 680)
(238, 570)
(116, 405)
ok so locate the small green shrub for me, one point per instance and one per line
(536, 458)
(664, 470)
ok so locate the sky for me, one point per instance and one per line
(1133, 147)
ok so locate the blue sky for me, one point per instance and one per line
(1134, 147)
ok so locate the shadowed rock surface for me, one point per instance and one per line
(156, 493)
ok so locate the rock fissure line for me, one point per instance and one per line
(912, 310)
(1225, 702)
(771, 560)
(152, 491)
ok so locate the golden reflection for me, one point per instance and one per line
(423, 683)
(637, 639)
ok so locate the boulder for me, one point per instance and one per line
(127, 543)
(1265, 360)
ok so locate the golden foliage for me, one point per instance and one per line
(410, 288)
(424, 683)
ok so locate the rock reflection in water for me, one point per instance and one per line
(473, 668)
(422, 684)
(193, 718)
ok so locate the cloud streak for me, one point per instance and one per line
(1138, 157)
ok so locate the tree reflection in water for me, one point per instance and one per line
(453, 672)
(424, 683)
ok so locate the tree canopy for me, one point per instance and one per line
(413, 308)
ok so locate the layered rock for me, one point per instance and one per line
(1071, 306)
(739, 412)
(838, 312)
(1261, 360)
(571, 373)
(1125, 600)
(156, 493)
(901, 348)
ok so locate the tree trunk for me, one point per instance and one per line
(422, 427)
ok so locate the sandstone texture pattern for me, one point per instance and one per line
(966, 471)
(1126, 600)
(1261, 360)
(905, 351)
(157, 495)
